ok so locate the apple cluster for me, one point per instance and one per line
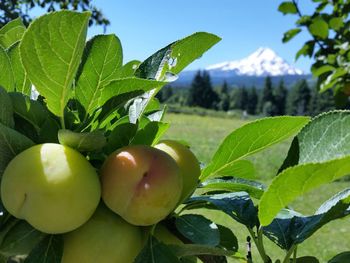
(56, 190)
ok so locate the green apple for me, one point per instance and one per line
(104, 238)
(51, 186)
(187, 162)
(141, 184)
(164, 235)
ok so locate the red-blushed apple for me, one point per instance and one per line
(187, 162)
(53, 187)
(141, 184)
(105, 238)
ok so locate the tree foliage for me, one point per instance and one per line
(11, 9)
(239, 98)
(224, 97)
(280, 94)
(252, 101)
(267, 100)
(328, 28)
(299, 99)
(201, 93)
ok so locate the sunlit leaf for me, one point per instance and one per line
(51, 50)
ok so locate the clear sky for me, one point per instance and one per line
(145, 26)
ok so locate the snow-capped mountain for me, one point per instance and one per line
(263, 62)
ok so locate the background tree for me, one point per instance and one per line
(328, 27)
(11, 9)
(267, 96)
(320, 102)
(224, 97)
(280, 98)
(165, 94)
(239, 98)
(252, 101)
(298, 99)
(201, 92)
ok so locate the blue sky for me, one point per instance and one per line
(145, 26)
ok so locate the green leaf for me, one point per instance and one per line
(287, 8)
(22, 83)
(198, 229)
(306, 50)
(20, 239)
(30, 110)
(341, 258)
(169, 61)
(239, 168)
(237, 205)
(307, 259)
(292, 156)
(296, 181)
(156, 252)
(121, 136)
(139, 105)
(232, 184)
(196, 250)
(114, 105)
(49, 131)
(176, 56)
(251, 138)
(151, 133)
(6, 76)
(227, 239)
(158, 115)
(50, 249)
(51, 50)
(325, 138)
(101, 61)
(3, 259)
(11, 144)
(303, 20)
(336, 23)
(319, 28)
(6, 109)
(290, 34)
(315, 142)
(11, 33)
(82, 141)
(120, 86)
(332, 79)
(284, 228)
(128, 70)
(317, 71)
(290, 228)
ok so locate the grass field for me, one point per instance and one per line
(204, 134)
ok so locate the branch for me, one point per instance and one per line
(300, 15)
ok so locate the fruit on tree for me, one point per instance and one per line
(187, 162)
(105, 238)
(51, 186)
(141, 184)
(164, 235)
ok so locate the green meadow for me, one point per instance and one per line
(205, 133)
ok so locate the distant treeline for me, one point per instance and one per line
(271, 100)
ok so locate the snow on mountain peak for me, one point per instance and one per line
(262, 62)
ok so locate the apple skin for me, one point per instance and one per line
(164, 235)
(51, 186)
(187, 162)
(141, 184)
(105, 238)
